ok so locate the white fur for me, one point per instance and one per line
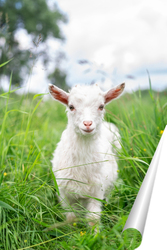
(84, 163)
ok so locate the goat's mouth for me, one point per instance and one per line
(88, 130)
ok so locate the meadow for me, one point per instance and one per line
(30, 128)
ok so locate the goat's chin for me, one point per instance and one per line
(87, 132)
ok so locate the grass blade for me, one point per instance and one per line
(7, 206)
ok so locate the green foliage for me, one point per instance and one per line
(30, 215)
(40, 21)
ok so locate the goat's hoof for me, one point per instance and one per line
(92, 224)
(70, 217)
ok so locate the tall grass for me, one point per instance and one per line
(29, 131)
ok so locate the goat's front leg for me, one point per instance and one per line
(94, 210)
(68, 202)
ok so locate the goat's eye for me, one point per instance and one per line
(101, 107)
(71, 107)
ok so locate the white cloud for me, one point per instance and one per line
(122, 35)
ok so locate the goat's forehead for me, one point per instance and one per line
(86, 94)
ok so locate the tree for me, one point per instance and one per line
(39, 20)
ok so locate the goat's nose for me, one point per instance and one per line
(87, 123)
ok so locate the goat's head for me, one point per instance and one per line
(85, 105)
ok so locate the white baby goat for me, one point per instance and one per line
(84, 162)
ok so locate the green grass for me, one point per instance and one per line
(29, 131)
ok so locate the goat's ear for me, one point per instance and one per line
(58, 94)
(113, 93)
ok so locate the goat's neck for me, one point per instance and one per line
(83, 145)
(84, 149)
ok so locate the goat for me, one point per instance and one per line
(84, 161)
